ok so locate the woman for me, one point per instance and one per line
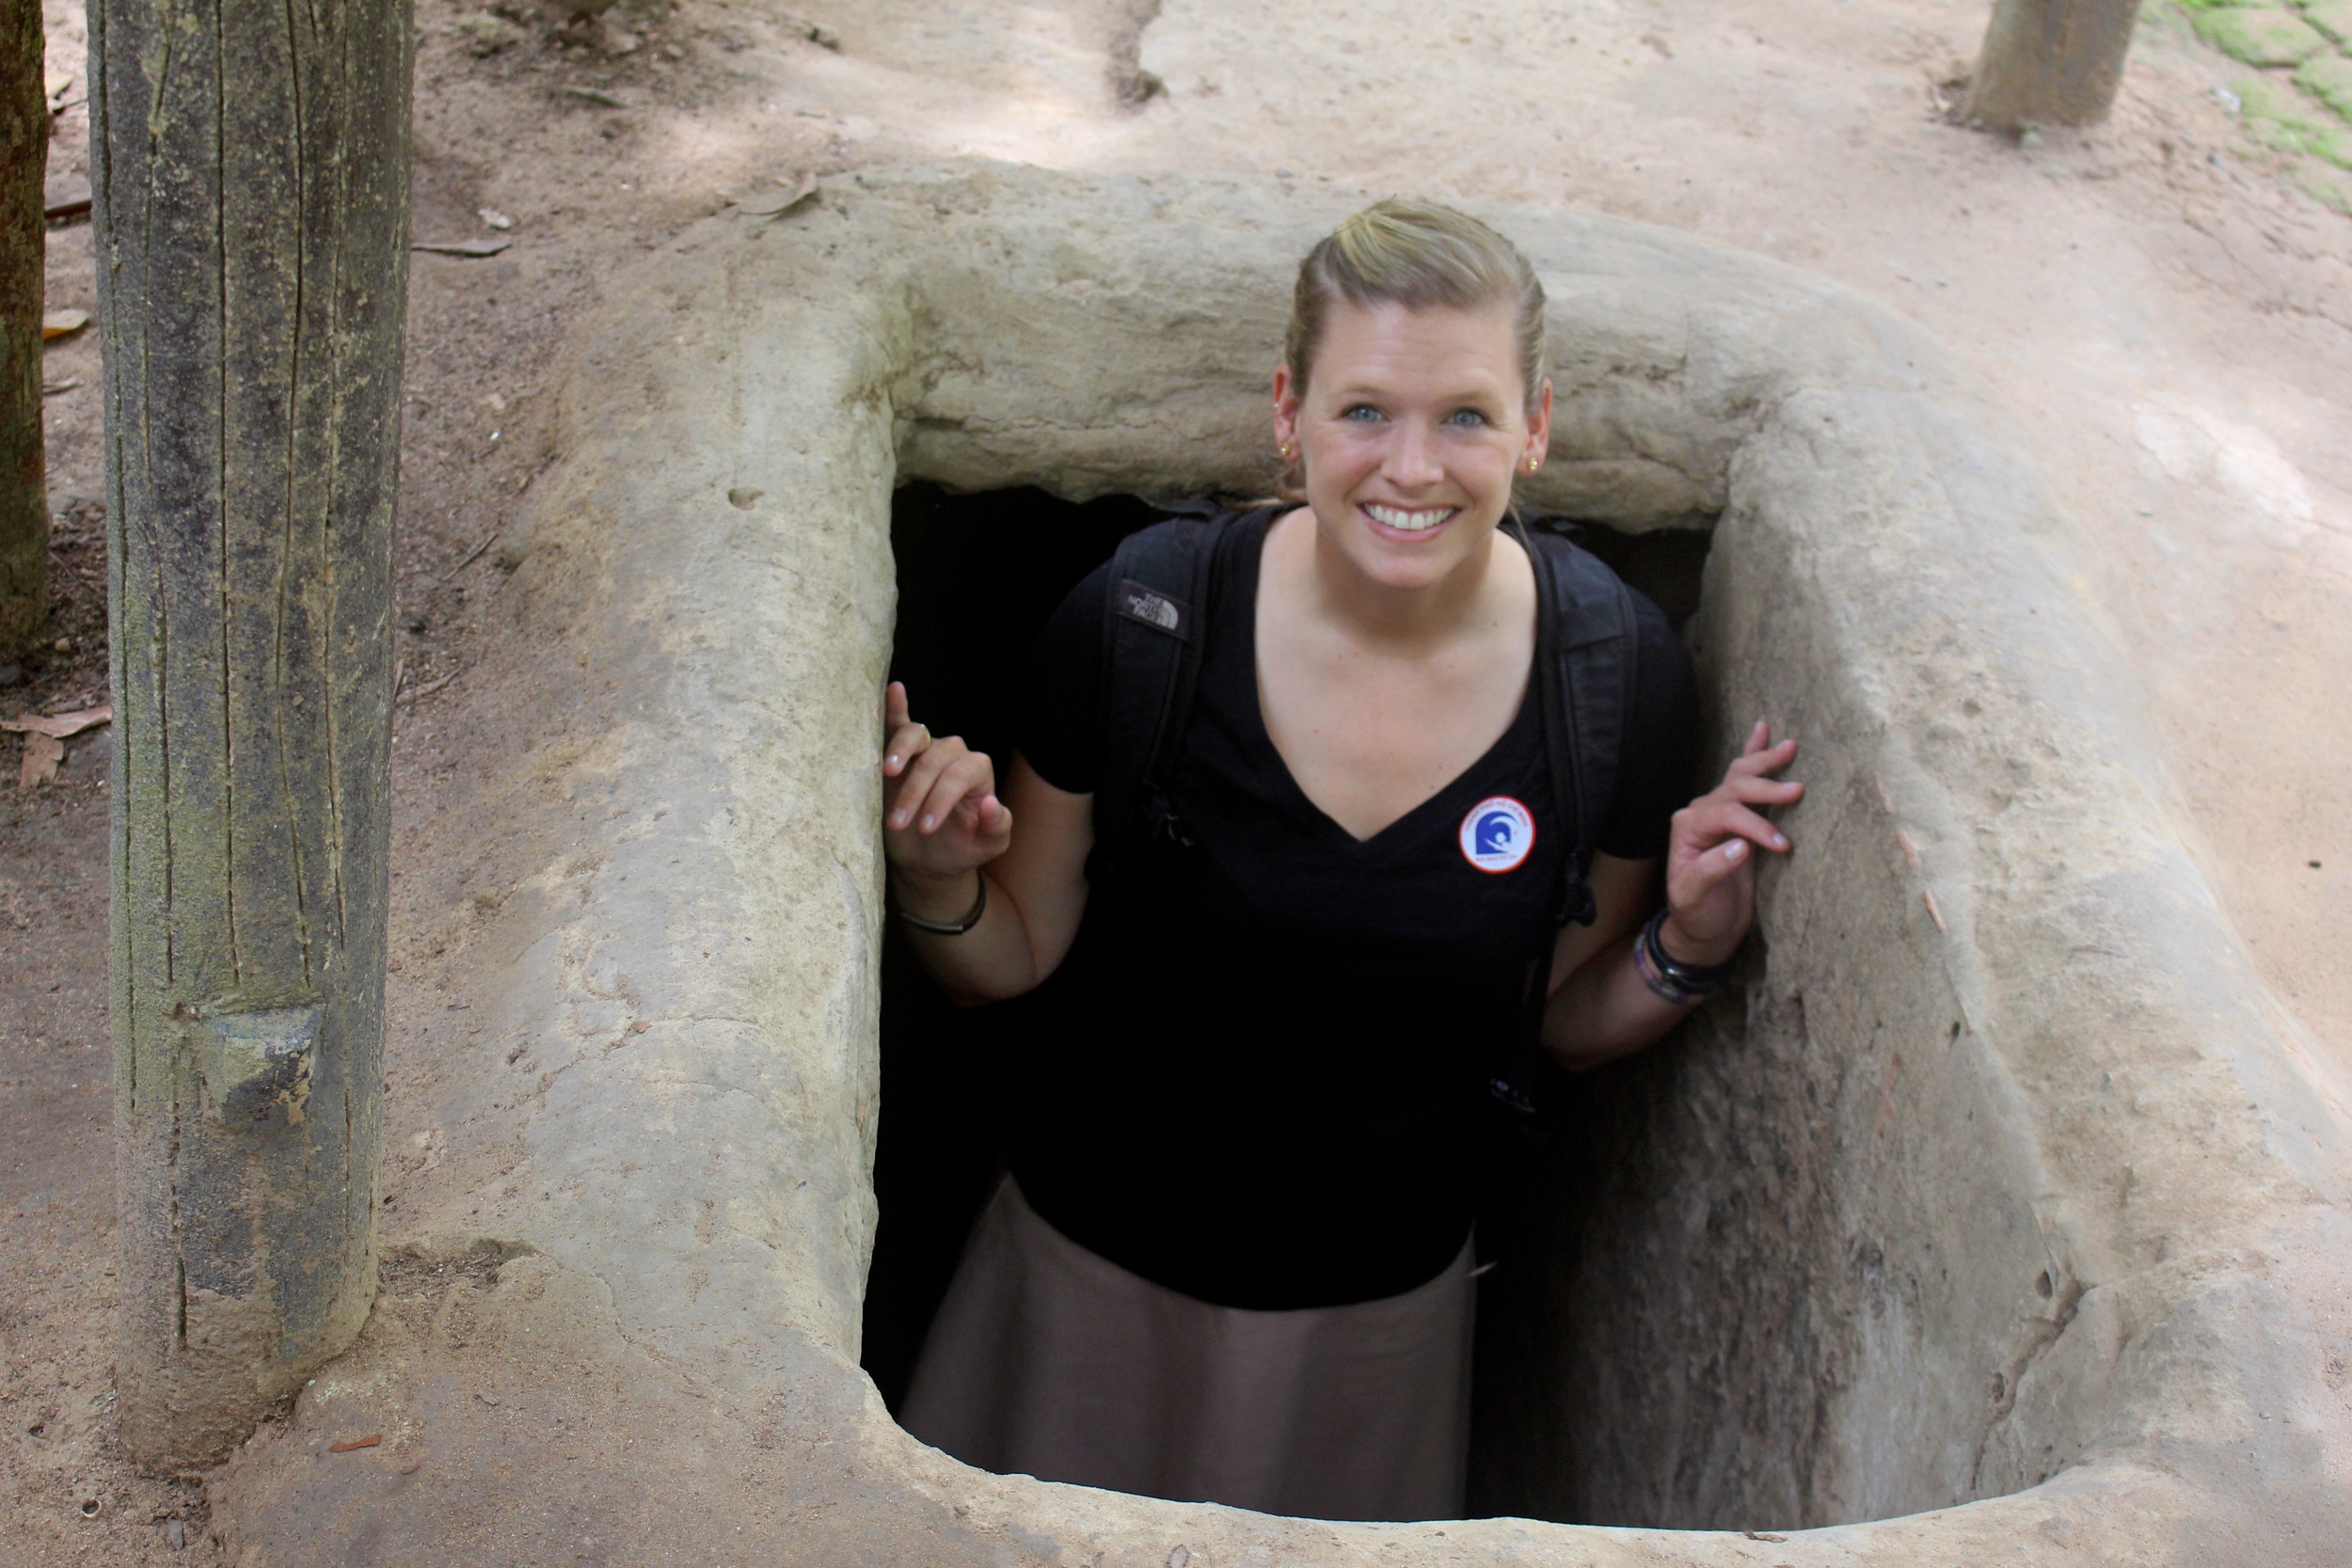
(1231, 1259)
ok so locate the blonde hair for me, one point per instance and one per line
(1416, 254)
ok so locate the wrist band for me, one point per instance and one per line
(951, 927)
(1676, 983)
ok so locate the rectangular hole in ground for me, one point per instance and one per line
(977, 575)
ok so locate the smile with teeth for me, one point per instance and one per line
(1413, 519)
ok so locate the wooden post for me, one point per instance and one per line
(250, 164)
(23, 494)
(2050, 62)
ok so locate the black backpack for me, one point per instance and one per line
(1586, 666)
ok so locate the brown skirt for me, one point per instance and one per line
(1050, 1361)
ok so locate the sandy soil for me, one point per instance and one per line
(2166, 313)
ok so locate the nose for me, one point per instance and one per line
(1413, 460)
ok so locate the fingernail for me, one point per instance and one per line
(930, 822)
(1780, 841)
(897, 820)
(1736, 849)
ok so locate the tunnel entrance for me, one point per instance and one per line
(977, 575)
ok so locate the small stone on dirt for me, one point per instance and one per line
(2261, 35)
(743, 500)
(495, 219)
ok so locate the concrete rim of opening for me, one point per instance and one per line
(683, 1210)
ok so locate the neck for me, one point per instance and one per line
(1402, 620)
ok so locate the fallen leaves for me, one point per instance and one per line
(463, 247)
(44, 741)
(62, 323)
(776, 204)
(59, 725)
(371, 1440)
(42, 752)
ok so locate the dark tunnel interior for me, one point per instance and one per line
(977, 575)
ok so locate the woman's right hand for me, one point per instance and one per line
(942, 820)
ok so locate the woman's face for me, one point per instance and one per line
(1412, 427)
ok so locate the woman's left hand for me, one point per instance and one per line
(1711, 860)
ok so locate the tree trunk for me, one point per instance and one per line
(24, 494)
(250, 163)
(2050, 62)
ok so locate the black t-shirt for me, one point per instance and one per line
(1259, 1078)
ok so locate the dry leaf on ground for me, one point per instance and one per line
(42, 752)
(776, 204)
(59, 324)
(462, 247)
(58, 725)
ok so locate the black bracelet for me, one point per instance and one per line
(1674, 982)
(951, 928)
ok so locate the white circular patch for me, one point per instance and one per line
(1498, 834)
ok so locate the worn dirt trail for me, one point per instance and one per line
(2169, 321)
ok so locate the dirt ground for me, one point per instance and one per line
(2161, 303)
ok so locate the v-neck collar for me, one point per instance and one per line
(1251, 560)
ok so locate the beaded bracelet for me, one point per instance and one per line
(1676, 983)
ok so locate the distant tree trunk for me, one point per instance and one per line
(250, 163)
(2050, 62)
(23, 494)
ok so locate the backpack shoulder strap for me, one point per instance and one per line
(1153, 629)
(1587, 666)
(1587, 649)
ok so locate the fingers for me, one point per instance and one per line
(1759, 738)
(1758, 759)
(1714, 818)
(906, 743)
(895, 706)
(969, 775)
(1758, 791)
(941, 776)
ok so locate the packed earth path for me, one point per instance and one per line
(2164, 305)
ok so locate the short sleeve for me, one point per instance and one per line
(1655, 774)
(1058, 719)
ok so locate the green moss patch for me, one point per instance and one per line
(2329, 78)
(2269, 100)
(2260, 34)
(2331, 17)
(2329, 187)
(2336, 147)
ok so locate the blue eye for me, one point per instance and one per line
(1360, 412)
(1466, 416)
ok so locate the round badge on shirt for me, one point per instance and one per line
(1498, 834)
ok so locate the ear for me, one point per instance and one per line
(1538, 428)
(1287, 397)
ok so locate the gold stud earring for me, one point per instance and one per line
(1283, 451)
(1534, 464)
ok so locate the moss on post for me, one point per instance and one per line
(250, 164)
(24, 498)
(2050, 62)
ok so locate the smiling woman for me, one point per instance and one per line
(1402, 822)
